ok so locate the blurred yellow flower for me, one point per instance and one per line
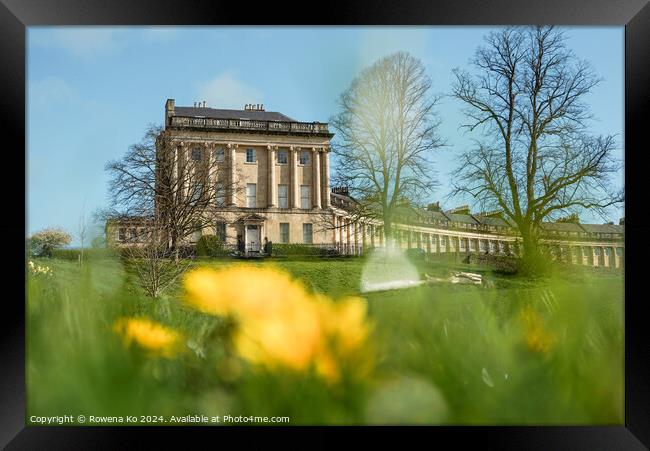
(537, 338)
(281, 324)
(154, 337)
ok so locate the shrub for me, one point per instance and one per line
(286, 250)
(211, 246)
(501, 263)
(89, 253)
(44, 242)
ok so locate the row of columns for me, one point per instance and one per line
(357, 236)
(320, 185)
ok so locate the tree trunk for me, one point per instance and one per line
(532, 260)
(174, 246)
(388, 230)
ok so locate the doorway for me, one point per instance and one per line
(252, 238)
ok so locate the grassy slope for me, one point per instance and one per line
(466, 343)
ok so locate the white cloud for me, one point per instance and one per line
(227, 91)
(82, 42)
(47, 92)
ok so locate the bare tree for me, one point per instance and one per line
(148, 258)
(177, 187)
(535, 159)
(387, 132)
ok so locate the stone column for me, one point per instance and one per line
(340, 225)
(347, 230)
(326, 178)
(363, 236)
(295, 193)
(175, 162)
(182, 169)
(316, 177)
(271, 194)
(232, 149)
(209, 149)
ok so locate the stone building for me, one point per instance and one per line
(278, 171)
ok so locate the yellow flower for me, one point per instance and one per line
(242, 290)
(279, 323)
(537, 338)
(347, 323)
(153, 337)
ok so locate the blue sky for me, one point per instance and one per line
(91, 91)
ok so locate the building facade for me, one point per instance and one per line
(277, 171)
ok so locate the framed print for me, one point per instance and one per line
(237, 220)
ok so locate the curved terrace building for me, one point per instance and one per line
(278, 171)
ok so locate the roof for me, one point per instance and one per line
(562, 226)
(603, 228)
(435, 215)
(492, 221)
(231, 114)
(457, 217)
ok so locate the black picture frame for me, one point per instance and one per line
(16, 15)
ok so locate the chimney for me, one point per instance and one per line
(204, 104)
(169, 110)
(435, 206)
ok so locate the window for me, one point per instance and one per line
(196, 153)
(250, 156)
(220, 231)
(607, 252)
(619, 251)
(492, 247)
(221, 195)
(220, 154)
(472, 245)
(307, 236)
(483, 246)
(597, 251)
(304, 157)
(196, 234)
(282, 157)
(283, 201)
(121, 234)
(251, 195)
(284, 232)
(134, 234)
(463, 244)
(305, 201)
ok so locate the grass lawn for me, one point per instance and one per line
(521, 352)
